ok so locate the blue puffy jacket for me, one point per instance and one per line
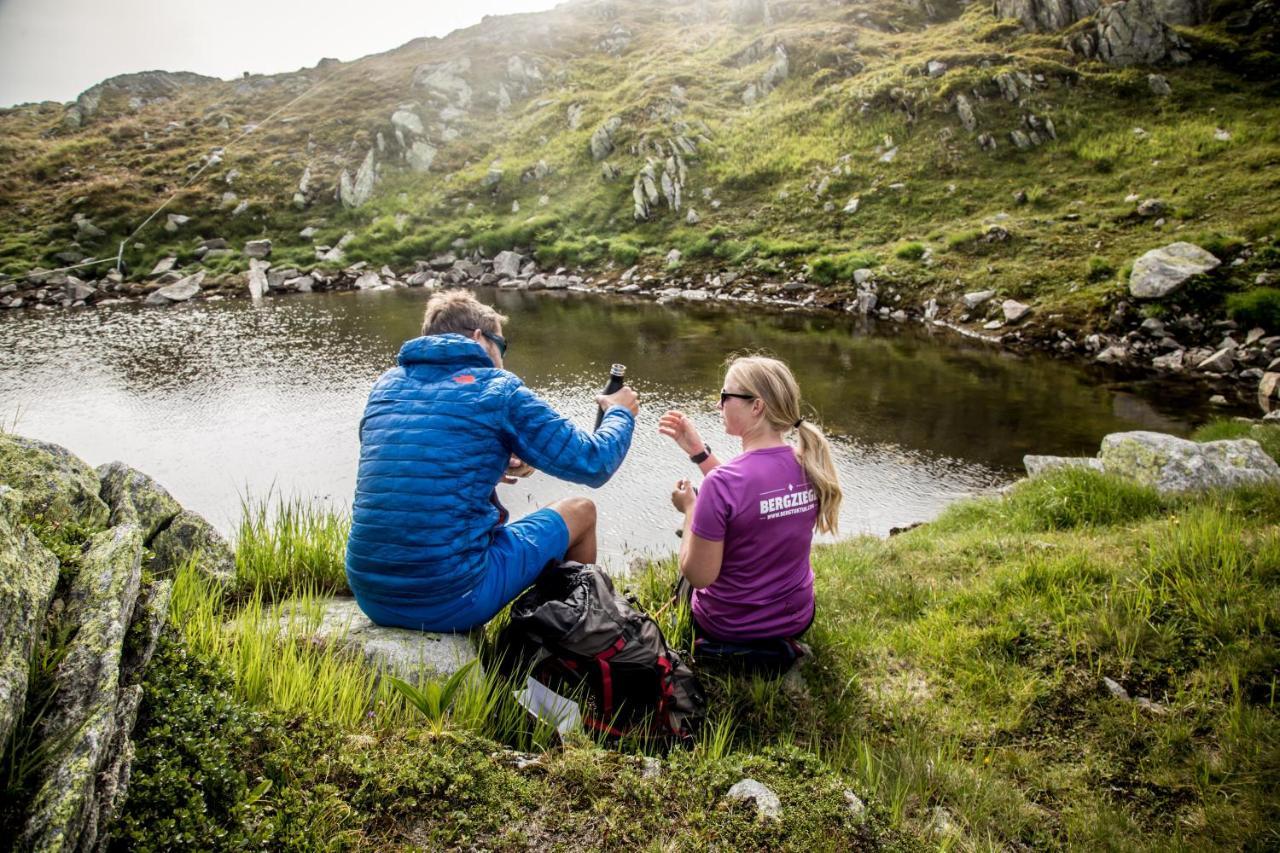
(435, 439)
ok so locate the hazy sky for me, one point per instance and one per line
(52, 50)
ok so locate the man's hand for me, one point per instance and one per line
(516, 468)
(683, 496)
(624, 397)
(676, 426)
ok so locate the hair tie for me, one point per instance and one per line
(797, 423)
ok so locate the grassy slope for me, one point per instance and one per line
(958, 667)
(1069, 244)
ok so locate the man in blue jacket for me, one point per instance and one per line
(430, 547)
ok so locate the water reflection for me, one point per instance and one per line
(217, 398)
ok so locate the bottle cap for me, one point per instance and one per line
(618, 370)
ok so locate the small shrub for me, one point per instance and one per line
(624, 253)
(961, 240)
(1257, 307)
(829, 269)
(1098, 268)
(912, 251)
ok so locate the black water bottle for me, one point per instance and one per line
(616, 381)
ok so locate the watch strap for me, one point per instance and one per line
(701, 457)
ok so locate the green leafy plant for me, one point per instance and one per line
(433, 698)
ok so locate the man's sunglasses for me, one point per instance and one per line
(725, 395)
(498, 341)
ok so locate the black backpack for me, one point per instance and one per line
(577, 636)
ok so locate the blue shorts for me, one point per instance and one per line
(518, 554)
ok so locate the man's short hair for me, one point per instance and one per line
(459, 311)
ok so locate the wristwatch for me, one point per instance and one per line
(701, 457)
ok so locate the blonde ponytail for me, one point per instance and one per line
(772, 382)
(820, 468)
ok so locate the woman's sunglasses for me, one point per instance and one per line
(725, 395)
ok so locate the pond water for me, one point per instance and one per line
(217, 400)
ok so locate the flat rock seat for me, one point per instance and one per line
(409, 655)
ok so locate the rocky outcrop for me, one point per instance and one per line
(91, 706)
(53, 484)
(1131, 32)
(602, 139)
(130, 91)
(1171, 465)
(1045, 15)
(28, 576)
(354, 193)
(104, 606)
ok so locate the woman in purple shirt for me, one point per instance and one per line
(747, 533)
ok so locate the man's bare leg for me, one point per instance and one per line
(579, 516)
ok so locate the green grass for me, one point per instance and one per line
(1267, 435)
(957, 667)
(284, 545)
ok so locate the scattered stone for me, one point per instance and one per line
(508, 264)
(258, 282)
(179, 291)
(1174, 465)
(1269, 386)
(1014, 310)
(308, 233)
(175, 221)
(673, 257)
(1162, 271)
(936, 68)
(1159, 85)
(975, 298)
(1217, 400)
(1151, 207)
(768, 806)
(1115, 689)
(258, 249)
(851, 206)
(857, 808)
(1114, 354)
(1220, 362)
(692, 218)
(368, 281)
(163, 266)
(1174, 362)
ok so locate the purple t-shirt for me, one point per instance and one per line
(762, 507)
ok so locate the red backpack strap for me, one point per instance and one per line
(606, 676)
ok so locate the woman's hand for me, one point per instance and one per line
(683, 496)
(676, 426)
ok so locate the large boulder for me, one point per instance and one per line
(85, 720)
(54, 484)
(1163, 271)
(135, 498)
(1173, 465)
(187, 536)
(28, 578)
(407, 654)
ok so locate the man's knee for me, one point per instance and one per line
(579, 514)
